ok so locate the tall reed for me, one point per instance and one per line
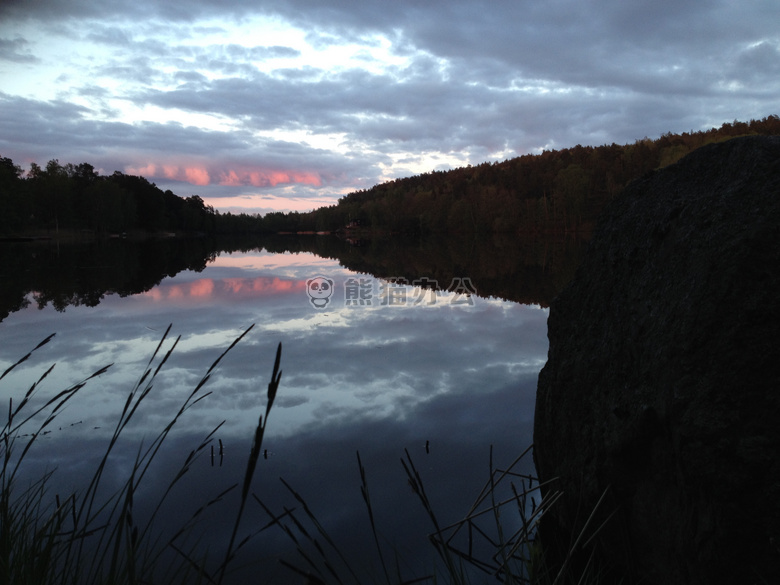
(89, 537)
(495, 541)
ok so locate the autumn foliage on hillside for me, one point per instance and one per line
(557, 191)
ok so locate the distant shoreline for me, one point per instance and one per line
(69, 235)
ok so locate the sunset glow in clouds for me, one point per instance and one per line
(201, 176)
(288, 105)
(207, 289)
(267, 178)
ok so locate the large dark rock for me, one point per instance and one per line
(662, 386)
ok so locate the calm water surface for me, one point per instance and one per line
(442, 374)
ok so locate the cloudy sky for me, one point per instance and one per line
(289, 104)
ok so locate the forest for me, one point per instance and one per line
(557, 191)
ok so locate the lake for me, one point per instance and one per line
(422, 351)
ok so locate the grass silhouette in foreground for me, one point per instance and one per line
(90, 537)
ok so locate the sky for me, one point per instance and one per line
(289, 105)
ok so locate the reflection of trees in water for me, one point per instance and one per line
(81, 274)
(530, 271)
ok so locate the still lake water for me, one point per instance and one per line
(371, 365)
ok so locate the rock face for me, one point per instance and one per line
(662, 386)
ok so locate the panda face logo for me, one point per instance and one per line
(319, 290)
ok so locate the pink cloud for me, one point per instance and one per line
(197, 176)
(262, 285)
(228, 288)
(201, 175)
(149, 170)
(171, 172)
(266, 178)
(202, 288)
(234, 285)
(230, 179)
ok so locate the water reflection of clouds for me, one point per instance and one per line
(377, 379)
(320, 463)
(340, 363)
(232, 289)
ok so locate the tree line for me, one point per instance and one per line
(76, 197)
(552, 192)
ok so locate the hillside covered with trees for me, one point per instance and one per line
(552, 192)
(556, 191)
